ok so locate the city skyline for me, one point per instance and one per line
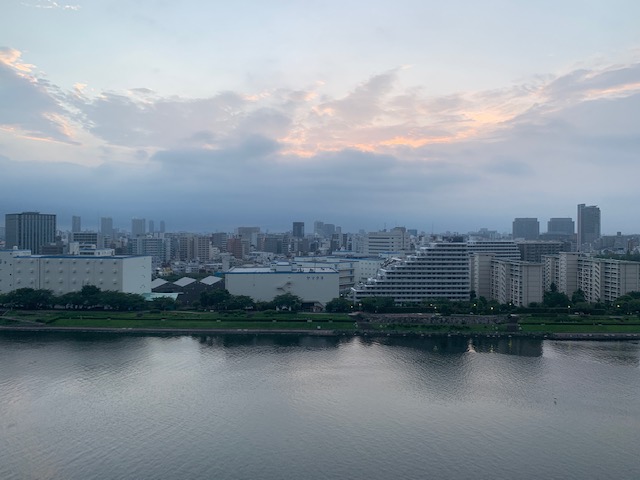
(449, 117)
(136, 226)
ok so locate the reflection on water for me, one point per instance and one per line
(244, 406)
(455, 344)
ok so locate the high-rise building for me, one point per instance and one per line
(162, 226)
(106, 229)
(138, 227)
(151, 226)
(76, 224)
(437, 270)
(30, 230)
(395, 240)
(561, 226)
(526, 228)
(298, 229)
(588, 226)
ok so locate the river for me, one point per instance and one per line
(100, 406)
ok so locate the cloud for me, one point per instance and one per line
(28, 106)
(50, 5)
(381, 151)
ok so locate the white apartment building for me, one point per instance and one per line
(505, 249)
(506, 281)
(516, 282)
(605, 279)
(69, 273)
(480, 271)
(344, 266)
(601, 279)
(317, 285)
(437, 270)
(394, 240)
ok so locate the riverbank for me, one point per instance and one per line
(274, 323)
(321, 333)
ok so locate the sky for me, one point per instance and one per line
(371, 114)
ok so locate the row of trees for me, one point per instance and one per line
(221, 300)
(553, 301)
(90, 297)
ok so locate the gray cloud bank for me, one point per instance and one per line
(396, 157)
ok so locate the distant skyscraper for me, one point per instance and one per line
(561, 226)
(76, 224)
(151, 226)
(162, 226)
(526, 228)
(138, 227)
(30, 230)
(106, 227)
(588, 225)
(298, 229)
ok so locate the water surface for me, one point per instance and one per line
(89, 406)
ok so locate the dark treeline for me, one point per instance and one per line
(89, 298)
(92, 298)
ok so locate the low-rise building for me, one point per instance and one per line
(69, 273)
(316, 285)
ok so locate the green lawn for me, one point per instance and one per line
(195, 324)
(572, 328)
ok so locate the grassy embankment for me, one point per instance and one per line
(187, 320)
(305, 321)
(529, 324)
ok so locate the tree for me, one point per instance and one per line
(215, 299)
(553, 298)
(29, 299)
(377, 304)
(239, 302)
(287, 301)
(91, 296)
(338, 305)
(163, 303)
(578, 296)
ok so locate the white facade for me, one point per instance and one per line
(69, 273)
(604, 279)
(395, 240)
(263, 284)
(505, 249)
(366, 268)
(601, 279)
(438, 270)
(344, 267)
(516, 282)
(480, 270)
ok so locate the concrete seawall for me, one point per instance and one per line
(320, 333)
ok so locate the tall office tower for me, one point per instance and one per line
(76, 224)
(298, 229)
(30, 230)
(561, 226)
(526, 228)
(138, 227)
(249, 234)
(151, 226)
(588, 226)
(162, 226)
(318, 228)
(219, 240)
(106, 227)
(329, 229)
